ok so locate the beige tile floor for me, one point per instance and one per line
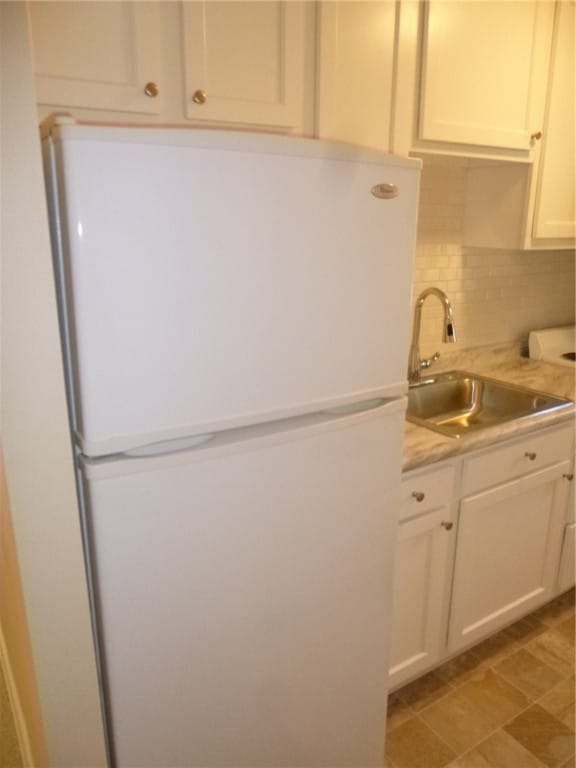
(9, 749)
(506, 703)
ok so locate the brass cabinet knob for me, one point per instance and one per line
(151, 90)
(569, 476)
(530, 455)
(418, 495)
(447, 525)
(536, 136)
(199, 96)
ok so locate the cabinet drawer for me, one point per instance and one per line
(423, 491)
(533, 452)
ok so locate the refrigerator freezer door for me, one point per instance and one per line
(214, 279)
(243, 596)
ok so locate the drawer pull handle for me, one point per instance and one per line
(530, 455)
(569, 476)
(418, 495)
(447, 525)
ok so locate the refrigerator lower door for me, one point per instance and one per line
(243, 596)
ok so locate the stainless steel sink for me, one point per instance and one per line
(457, 403)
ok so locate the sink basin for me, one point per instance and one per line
(457, 403)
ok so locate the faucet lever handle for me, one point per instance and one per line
(428, 363)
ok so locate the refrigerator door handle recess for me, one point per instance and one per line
(168, 446)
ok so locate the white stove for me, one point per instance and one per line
(554, 345)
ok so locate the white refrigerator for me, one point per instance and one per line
(235, 317)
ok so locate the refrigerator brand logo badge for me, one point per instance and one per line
(385, 191)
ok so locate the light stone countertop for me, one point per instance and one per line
(423, 446)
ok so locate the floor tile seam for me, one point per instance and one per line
(501, 727)
(388, 760)
(550, 623)
(411, 712)
(442, 741)
(453, 687)
(548, 668)
(482, 667)
(547, 693)
(559, 667)
(470, 749)
(465, 682)
(531, 702)
(417, 711)
(486, 736)
(489, 736)
(526, 748)
(496, 728)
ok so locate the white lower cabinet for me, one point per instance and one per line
(482, 540)
(422, 573)
(509, 541)
(567, 569)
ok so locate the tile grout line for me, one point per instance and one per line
(520, 711)
(497, 728)
(516, 646)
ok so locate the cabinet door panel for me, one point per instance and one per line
(419, 594)
(96, 55)
(567, 571)
(507, 554)
(554, 209)
(481, 72)
(356, 65)
(247, 58)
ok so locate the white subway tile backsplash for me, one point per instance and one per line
(498, 296)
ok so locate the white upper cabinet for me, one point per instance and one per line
(533, 206)
(244, 62)
(97, 55)
(356, 51)
(472, 76)
(554, 204)
(479, 65)
(238, 63)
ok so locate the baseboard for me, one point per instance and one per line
(18, 715)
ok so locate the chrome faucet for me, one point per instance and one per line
(415, 364)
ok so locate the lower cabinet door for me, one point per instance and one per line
(567, 571)
(420, 594)
(509, 540)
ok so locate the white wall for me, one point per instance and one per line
(34, 431)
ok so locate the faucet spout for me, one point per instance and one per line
(415, 364)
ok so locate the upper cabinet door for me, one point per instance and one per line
(99, 55)
(244, 62)
(483, 72)
(554, 208)
(356, 67)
